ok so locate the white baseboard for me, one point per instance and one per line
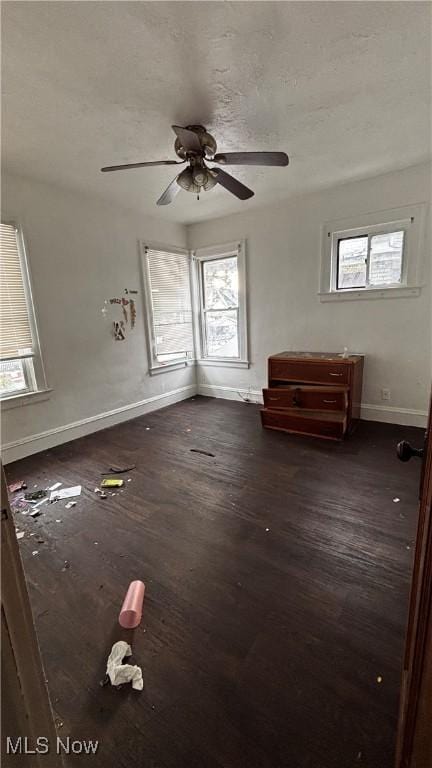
(408, 417)
(230, 393)
(405, 416)
(18, 449)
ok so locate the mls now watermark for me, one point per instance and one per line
(22, 745)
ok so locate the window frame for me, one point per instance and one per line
(409, 219)
(33, 367)
(155, 366)
(216, 253)
(369, 232)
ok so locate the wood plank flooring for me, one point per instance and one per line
(277, 576)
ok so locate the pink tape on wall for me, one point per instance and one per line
(131, 611)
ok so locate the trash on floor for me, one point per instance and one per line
(119, 470)
(66, 565)
(18, 486)
(204, 453)
(35, 512)
(379, 679)
(103, 496)
(70, 504)
(38, 503)
(35, 552)
(35, 495)
(112, 482)
(131, 610)
(396, 499)
(20, 534)
(54, 487)
(65, 493)
(119, 673)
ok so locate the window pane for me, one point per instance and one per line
(352, 256)
(12, 377)
(222, 333)
(220, 283)
(385, 262)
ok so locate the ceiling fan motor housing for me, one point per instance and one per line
(208, 143)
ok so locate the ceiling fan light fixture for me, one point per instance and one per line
(186, 181)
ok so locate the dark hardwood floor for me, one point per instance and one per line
(277, 576)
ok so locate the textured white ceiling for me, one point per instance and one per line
(344, 88)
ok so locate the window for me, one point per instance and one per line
(222, 298)
(167, 283)
(20, 362)
(377, 255)
(369, 260)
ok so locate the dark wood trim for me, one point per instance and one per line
(28, 712)
(414, 743)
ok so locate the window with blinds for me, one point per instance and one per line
(170, 305)
(15, 329)
(17, 348)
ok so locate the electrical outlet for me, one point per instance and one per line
(385, 394)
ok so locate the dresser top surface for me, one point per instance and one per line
(331, 356)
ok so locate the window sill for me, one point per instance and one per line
(26, 398)
(156, 369)
(224, 362)
(400, 292)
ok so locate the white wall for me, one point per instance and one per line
(283, 260)
(81, 252)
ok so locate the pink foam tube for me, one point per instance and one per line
(131, 610)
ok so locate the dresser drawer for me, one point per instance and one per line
(315, 398)
(328, 424)
(326, 372)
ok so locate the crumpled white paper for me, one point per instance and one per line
(119, 673)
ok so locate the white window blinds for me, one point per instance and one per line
(169, 282)
(15, 329)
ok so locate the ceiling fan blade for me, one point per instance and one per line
(169, 194)
(140, 165)
(188, 139)
(251, 158)
(232, 185)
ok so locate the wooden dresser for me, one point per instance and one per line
(313, 393)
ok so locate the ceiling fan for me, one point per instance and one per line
(194, 145)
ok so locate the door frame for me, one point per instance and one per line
(28, 713)
(414, 736)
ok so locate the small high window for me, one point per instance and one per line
(370, 260)
(373, 256)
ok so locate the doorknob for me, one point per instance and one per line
(405, 450)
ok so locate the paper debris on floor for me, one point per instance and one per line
(70, 504)
(120, 673)
(19, 486)
(54, 487)
(396, 499)
(112, 482)
(65, 493)
(38, 503)
(20, 534)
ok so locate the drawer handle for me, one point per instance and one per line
(335, 374)
(329, 401)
